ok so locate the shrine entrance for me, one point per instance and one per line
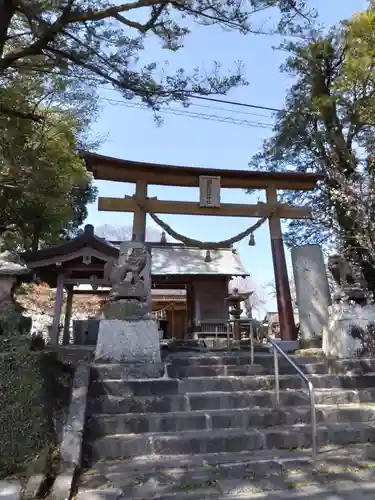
(210, 181)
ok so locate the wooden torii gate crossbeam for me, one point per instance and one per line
(143, 174)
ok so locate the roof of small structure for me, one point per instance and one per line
(166, 259)
(178, 260)
(116, 169)
(86, 239)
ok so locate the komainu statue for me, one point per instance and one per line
(129, 276)
(348, 277)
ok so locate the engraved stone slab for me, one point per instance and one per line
(312, 290)
(128, 341)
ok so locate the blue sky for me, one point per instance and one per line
(131, 133)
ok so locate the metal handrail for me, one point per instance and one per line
(277, 350)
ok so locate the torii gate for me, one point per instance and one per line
(142, 174)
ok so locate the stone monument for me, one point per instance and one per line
(128, 335)
(312, 293)
(351, 328)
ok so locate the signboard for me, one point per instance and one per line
(209, 191)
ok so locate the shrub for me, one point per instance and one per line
(29, 395)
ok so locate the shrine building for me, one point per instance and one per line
(189, 285)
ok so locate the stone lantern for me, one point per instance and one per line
(12, 272)
(234, 301)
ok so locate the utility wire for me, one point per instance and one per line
(227, 110)
(191, 114)
(224, 101)
(235, 103)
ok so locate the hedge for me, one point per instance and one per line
(30, 392)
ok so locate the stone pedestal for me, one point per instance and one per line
(288, 346)
(127, 335)
(312, 291)
(349, 331)
(132, 343)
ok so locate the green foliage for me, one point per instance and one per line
(44, 186)
(327, 125)
(9, 324)
(103, 41)
(29, 390)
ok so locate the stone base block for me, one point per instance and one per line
(350, 332)
(286, 345)
(129, 309)
(134, 343)
(314, 343)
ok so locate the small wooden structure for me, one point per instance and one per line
(210, 181)
(78, 267)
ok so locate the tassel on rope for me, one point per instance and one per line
(208, 257)
(163, 238)
(252, 240)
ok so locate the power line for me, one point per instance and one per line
(235, 103)
(232, 103)
(227, 110)
(190, 114)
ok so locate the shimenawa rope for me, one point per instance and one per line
(207, 245)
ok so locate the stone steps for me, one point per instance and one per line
(175, 371)
(212, 428)
(137, 423)
(292, 489)
(265, 359)
(145, 388)
(224, 400)
(232, 440)
(232, 358)
(240, 359)
(226, 475)
(212, 366)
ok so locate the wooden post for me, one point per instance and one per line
(57, 312)
(68, 315)
(139, 220)
(189, 311)
(284, 300)
(173, 322)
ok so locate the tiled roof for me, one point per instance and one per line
(179, 259)
(186, 260)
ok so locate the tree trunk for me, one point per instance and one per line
(7, 9)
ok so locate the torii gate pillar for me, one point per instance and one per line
(288, 329)
(139, 220)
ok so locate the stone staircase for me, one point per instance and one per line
(211, 428)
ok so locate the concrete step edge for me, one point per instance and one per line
(265, 377)
(234, 432)
(234, 411)
(351, 489)
(313, 491)
(335, 390)
(330, 452)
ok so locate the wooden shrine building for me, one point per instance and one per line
(200, 277)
